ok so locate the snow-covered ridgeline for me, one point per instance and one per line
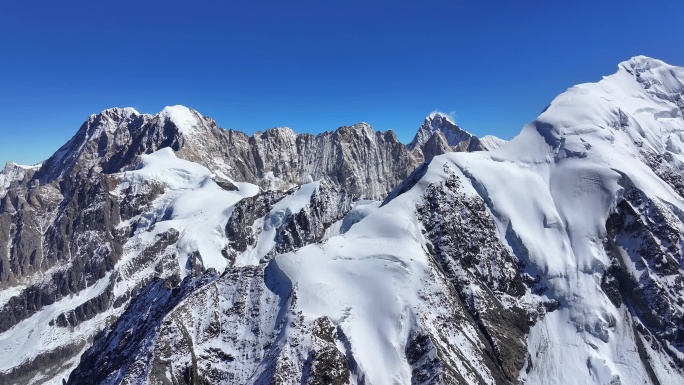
(588, 198)
(552, 190)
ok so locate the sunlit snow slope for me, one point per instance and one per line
(600, 152)
(599, 155)
(554, 258)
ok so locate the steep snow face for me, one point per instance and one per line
(554, 188)
(192, 204)
(556, 258)
(378, 286)
(379, 255)
(491, 142)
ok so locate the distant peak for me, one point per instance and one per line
(131, 110)
(177, 107)
(438, 122)
(119, 112)
(436, 115)
(359, 127)
(280, 132)
(177, 111)
(186, 119)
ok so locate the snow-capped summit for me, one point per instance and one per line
(118, 111)
(591, 195)
(439, 134)
(437, 122)
(657, 77)
(641, 63)
(164, 249)
(185, 119)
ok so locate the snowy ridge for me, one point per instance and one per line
(202, 257)
(584, 152)
(491, 142)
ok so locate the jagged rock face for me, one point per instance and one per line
(113, 234)
(356, 160)
(15, 176)
(128, 343)
(645, 240)
(165, 250)
(363, 163)
(483, 273)
(66, 224)
(439, 135)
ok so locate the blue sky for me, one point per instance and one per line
(311, 65)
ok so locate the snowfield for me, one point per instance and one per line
(552, 189)
(556, 257)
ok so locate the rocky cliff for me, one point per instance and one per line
(165, 250)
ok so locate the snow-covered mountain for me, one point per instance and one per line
(165, 250)
(439, 134)
(491, 142)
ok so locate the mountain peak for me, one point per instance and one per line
(439, 116)
(638, 108)
(439, 123)
(658, 78)
(362, 127)
(642, 61)
(185, 119)
(283, 133)
(117, 113)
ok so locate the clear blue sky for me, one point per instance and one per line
(311, 65)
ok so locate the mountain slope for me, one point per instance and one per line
(535, 288)
(133, 197)
(439, 134)
(554, 258)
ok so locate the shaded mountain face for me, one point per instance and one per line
(80, 234)
(439, 134)
(165, 250)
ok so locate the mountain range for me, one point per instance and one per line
(163, 249)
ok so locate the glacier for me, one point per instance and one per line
(555, 257)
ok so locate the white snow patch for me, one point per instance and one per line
(184, 118)
(192, 203)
